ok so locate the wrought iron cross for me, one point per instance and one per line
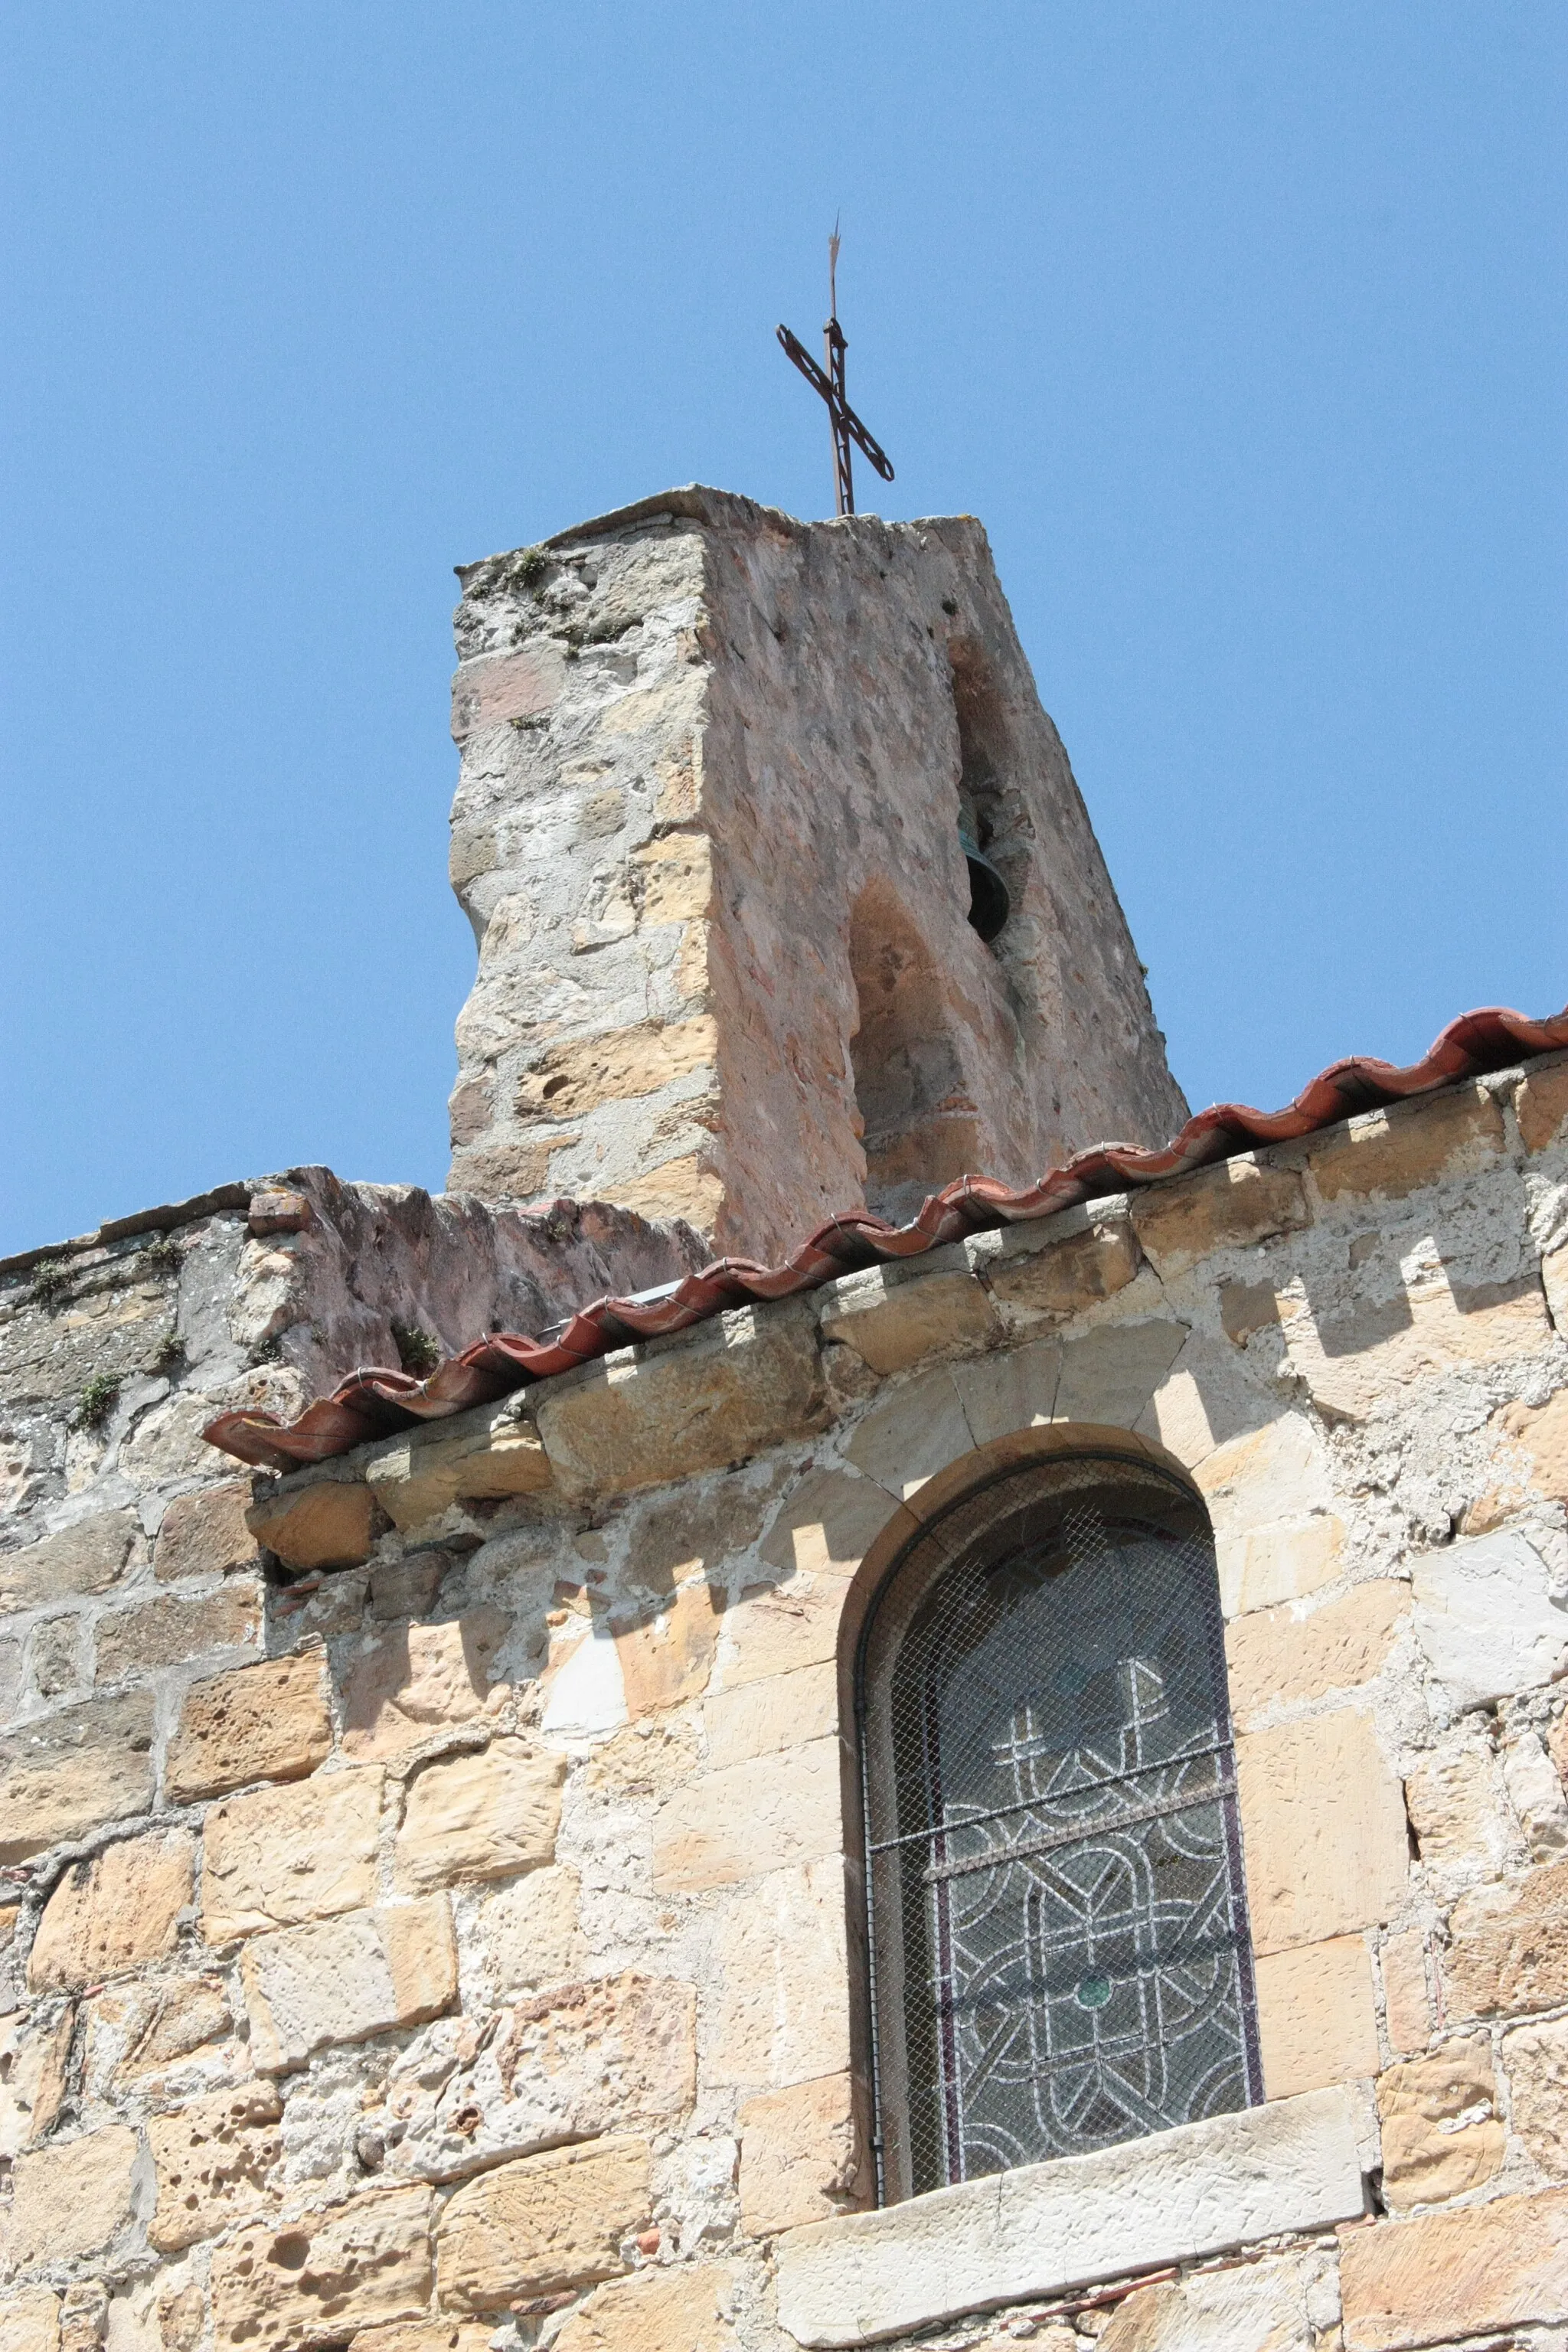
(829, 382)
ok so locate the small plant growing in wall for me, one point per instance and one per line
(162, 1254)
(97, 1401)
(418, 1352)
(169, 1354)
(50, 1282)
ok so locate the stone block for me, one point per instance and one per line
(530, 1931)
(1408, 2004)
(317, 2280)
(165, 1631)
(1288, 1561)
(826, 1525)
(87, 1558)
(761, 1718)
(489, 1453)
(778, 1629)
(35, 2053)
(1535, 1792)
(1541, 1433)
(1290, 1655)
(73, 1771)
(912, 1433)
(1256, 2306)
(1012, 1389)
(265, 1722)
(284, 1855)
(1456, 1809)
(112, 1911)
(783, 2010)
(894, 1316)
(1441, 2132)
(1233, 1206)
(416, 1679)
(542, 2225)
(1323, 1827)
(1065, 1276)
(316, 1521)
(1048, 2227)
(344, 1979)
(495, 688)
(666, 1657)
(489, 1815)
(30, 2320)
(205, 1534)
(722, 1392)
(572, 1078)
(70, 2202)
(1508, 1948)
(1317, 2021)
(746, 1818)
(1486, 1619)
(1267, 1477)
(1385, 1347)
(212, 2158)
(1541, 1103)
(801, 2157)
(1109, 1375)
(658, 2310)
(441, 2334)
(1389, 1154)
(1535, 2060)
(156, 2024)
(1446, 2275)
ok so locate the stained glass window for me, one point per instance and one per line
(1058, 1923)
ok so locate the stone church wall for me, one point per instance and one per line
(428, 1882)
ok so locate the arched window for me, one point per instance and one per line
(1058, 1951)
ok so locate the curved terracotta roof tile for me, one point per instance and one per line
(375, 1402)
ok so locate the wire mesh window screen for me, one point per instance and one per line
(1058, 1933)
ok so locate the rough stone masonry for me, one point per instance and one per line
(428, 1913)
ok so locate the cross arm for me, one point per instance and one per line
(819, 382)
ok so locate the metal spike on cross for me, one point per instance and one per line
(828, 381)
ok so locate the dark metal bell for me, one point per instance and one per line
(989, 904)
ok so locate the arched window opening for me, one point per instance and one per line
(981, 820)
(919, 1126)
(1058, 1949)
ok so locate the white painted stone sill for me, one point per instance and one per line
(1048, 2227)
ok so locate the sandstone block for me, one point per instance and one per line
(762, 1814)
(113, 1912)
(212, 2158)
(267, 1722)
(1541, 1431)
(571, 1079)
(72, 2200)
(1230, 1207)
(783, 2013)
(1487, 1620)
(912, 1433)
(1408, 2004)
(1269, 1476)
(1448, 2275)
(1441, 2135)
(85, 1558)
(1316, 2018)
(659, 2310)
(1535, 1792)
(1541, 1103)
(1381, 1347)
(315, 1521)
(1259, 2306)
(545, 2223)
(531, 1933)
(1535, 2060)
(760, 1718)
(205, 1534)
(723, 1391)
(777, 1629)
(344, 1979)
(826, 1526)
(426, 2335)
(1247, 1308)
(1013, 1388)
(800, 2159)
(1109, 1375)
(418, 1476)
(1457, 1132)
(1456, 1809)
(30, 2321)
(320, 2279)
(494, 688)
(1555, 1283)
(166, 1632)
(156, 2024)
(1509, 1946)
(666, 1658)
(894, 1316)
(477, 1817)
(411, 1682)
(1323, 1827)
(285, 1856)
(1285, 1656)
(1066, 1275)
(1266, 1566)
(73, 1771)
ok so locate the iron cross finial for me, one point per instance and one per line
(829, 383)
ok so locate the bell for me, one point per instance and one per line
(989, 904)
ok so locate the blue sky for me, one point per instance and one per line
(1243, 328)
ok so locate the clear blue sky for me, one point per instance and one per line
(1243, 328)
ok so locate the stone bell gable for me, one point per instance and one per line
(715, 768)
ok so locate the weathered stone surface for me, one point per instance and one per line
(775, 1629)
(1509, 1946)
(479, 1817)
(35, 2053)
(1456, 1809)
(1259, 2306)
(783, 2010)
(411, 1682)
(1323, 1828)
(1265, 1479)
(71, 2200)
(1535, 2060)
(1230, 1207)
(1541, 1103)
(1066, 1275)
(438, 2334)
(1486, 1618)
(576, 1078)
(344, 1979)
(212, 2158)
(1285, 1657)
(665, 1655)
(895, 1316)
(912, 1433)
(1316, 2018)
(1408, 2004)
(324, 1522)
(493, 1452)
(1266, 1566)
(541, 2224)
(722, 1391)
(285, 1856)
(1045, 2228)
(659, 2310)
(1109, 1375)
(1011, 1389)
(1535, 1792)
(498, 686)
(205, 1534)
(826, 1526)
(758, 1815)
(1448, 2275)
(156, 2024)
(317, 2280)
(267, 1722)
(113, 1912)
(1541, 1433)
(73, 1771)
(1441, 2133)
(166, 1632)
(800, 2159)
(1387, 1347)
(530, 1930)
(30, 2321)
(1455, 1133)
(759, 1718)
(86, 1558)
